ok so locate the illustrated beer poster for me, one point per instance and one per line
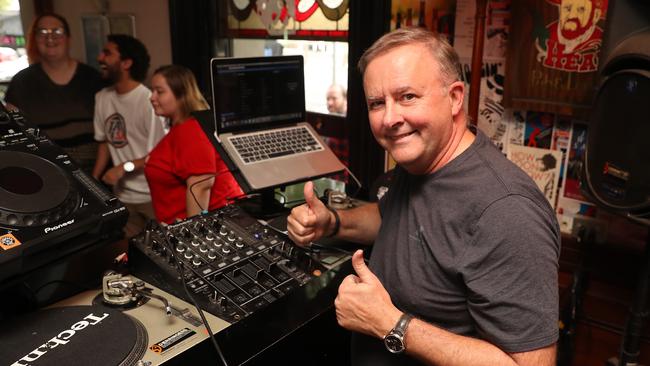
(552, 62)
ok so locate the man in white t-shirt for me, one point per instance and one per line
(126, 127)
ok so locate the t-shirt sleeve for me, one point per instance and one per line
(194, 155)
(511, 275)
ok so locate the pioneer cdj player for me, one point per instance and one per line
(48, 207)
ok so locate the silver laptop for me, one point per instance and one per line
(259, 114)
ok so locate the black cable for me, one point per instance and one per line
(179, 267)
(194, 196)
(200, 181)
(356, 181)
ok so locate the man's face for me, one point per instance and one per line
(409, 106)
(336, 103)
(576, 16)
(110, 62)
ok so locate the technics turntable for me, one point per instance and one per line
(86, 330)
(49, 208)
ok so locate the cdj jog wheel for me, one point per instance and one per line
(33, 190)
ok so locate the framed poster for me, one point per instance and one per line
(94, 30)
(122, 24)
(553, 55)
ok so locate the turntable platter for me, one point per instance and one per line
(33, 190)
(80, 335)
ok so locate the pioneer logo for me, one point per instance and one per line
(61, 339)
(57, 227)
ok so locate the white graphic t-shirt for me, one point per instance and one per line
(132, 129)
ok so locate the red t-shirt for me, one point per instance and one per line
(185, 152)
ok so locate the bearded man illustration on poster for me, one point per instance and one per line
(574, 39)
(553, 57)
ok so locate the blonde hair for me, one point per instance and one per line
(442, 51)
(183, 85)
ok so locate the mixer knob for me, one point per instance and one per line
(213, 296)
(223, 303)
(223, 231)
(203, 229)
(231, 236)
(195, 243)
(196, 261)
(186, 232)
(209, 236)
(173, 240)
(203, 248)
(212, 254)
(225, 249)
(239, 244)
(155, 246)
(180, 248)
(188, 255)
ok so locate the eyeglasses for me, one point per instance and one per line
(55, 33)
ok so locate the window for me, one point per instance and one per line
(315, 30)
(13, 56)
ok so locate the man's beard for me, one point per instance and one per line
(111, 74)
(573, 38)
(571, 34)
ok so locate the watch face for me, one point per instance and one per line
(129, 166)
(394, 343)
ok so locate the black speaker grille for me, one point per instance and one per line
(618, 158)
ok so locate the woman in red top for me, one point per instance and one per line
(185, 173)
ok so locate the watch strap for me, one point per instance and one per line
(402, 324)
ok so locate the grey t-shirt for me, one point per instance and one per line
(472, 248)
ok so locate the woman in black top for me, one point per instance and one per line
(56, 92)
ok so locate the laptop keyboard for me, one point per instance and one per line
(272, 144)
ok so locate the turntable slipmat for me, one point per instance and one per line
(118, 339)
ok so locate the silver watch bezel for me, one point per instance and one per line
(394, 339)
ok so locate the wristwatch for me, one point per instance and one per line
(394, 340)
(128, 166)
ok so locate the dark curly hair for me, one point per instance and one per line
(131, 48)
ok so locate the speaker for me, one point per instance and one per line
(617, 161)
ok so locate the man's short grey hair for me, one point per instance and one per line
(442, 51)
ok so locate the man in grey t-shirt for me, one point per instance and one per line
(465, 258)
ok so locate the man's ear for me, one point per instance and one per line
(597, 14)
(126, 63)
(456, 95)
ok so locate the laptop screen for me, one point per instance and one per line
(250, 94)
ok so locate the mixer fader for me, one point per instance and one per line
(232, 264)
